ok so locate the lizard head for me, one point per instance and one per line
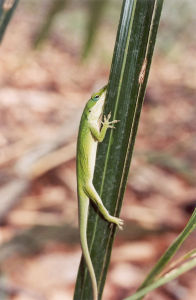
(96, 104)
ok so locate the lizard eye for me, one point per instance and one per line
(96, 98)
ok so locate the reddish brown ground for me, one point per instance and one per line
(40, 90)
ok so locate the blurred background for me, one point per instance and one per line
(52, 58)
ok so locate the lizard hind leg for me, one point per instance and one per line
(94, 196)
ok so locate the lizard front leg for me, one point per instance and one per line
(99, 135)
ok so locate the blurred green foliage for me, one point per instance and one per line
(176, 28)
(177, 25)
(56, 7)
(6, 12)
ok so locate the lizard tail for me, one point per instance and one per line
(84, 204)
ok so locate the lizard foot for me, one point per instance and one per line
(117, 221)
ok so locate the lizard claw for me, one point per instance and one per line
(115, 121)
(108, 123)
(109, 116)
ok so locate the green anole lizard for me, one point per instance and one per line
(91, 131)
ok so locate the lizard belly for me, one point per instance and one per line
(92, 157)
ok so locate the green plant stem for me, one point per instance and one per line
(165, 279)
(166, 257)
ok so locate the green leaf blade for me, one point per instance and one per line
(135, 42)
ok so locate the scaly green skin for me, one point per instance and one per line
(89, 136)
